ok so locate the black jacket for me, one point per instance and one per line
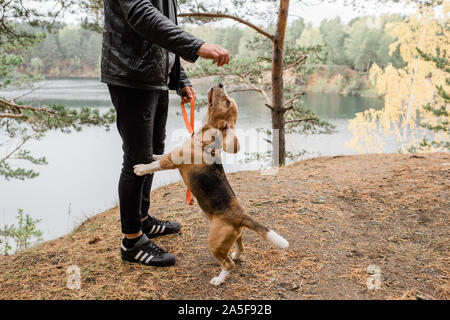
(137, 38)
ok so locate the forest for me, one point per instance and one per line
(362, 221)
(348, 50)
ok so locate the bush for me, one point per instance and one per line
(23, 235)
(354, 87)
(341, 82)
(36, 66)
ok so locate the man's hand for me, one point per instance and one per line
(214, 52)
(187, 93)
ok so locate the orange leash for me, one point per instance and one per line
(190, 127)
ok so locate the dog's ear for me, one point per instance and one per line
(230, 141)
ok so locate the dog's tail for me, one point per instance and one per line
(264, 232)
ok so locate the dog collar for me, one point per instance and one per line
(197, 139)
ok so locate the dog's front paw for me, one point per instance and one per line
(217, 281)
(140, 169)
(235, 255)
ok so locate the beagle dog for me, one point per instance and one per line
(199, 163)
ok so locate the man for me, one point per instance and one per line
(142, 46)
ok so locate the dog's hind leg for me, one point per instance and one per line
(239, 248)
(227, 266)
(221, 239)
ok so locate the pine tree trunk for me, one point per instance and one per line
(279, 158)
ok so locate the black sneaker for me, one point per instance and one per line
(153, 227)
(147, 253)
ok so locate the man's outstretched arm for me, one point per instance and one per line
(151, 24)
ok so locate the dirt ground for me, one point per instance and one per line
(350, 221)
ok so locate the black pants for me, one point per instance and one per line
(141, 121)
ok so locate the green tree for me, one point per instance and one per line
(334, 35)
(48, 51)
(229, 37)
(251, 74)
(232, 39)
(384, 56)
(205, 32)
(408, 89)
(440, 112)
(369, 40)
(294, 31)
(21, 123)
(281, 108)
(70, 42)
(71, 50)
(361, 44)
(244, 12)
(93, 50)
(251, 45)
(23, 235)
(310, 37)
(36, 66)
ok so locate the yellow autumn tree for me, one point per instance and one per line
(409, 89)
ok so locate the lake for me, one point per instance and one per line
(81, 177)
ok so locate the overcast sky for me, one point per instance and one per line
(315, 12)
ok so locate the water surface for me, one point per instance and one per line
(81, 177)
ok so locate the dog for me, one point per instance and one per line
(199, 163)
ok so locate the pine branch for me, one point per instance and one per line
(11, 105)
(312, 119)
(21, 144)
(242, 90)
(255, 88)
(227, 16)
(296, 63)
(288, 104)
